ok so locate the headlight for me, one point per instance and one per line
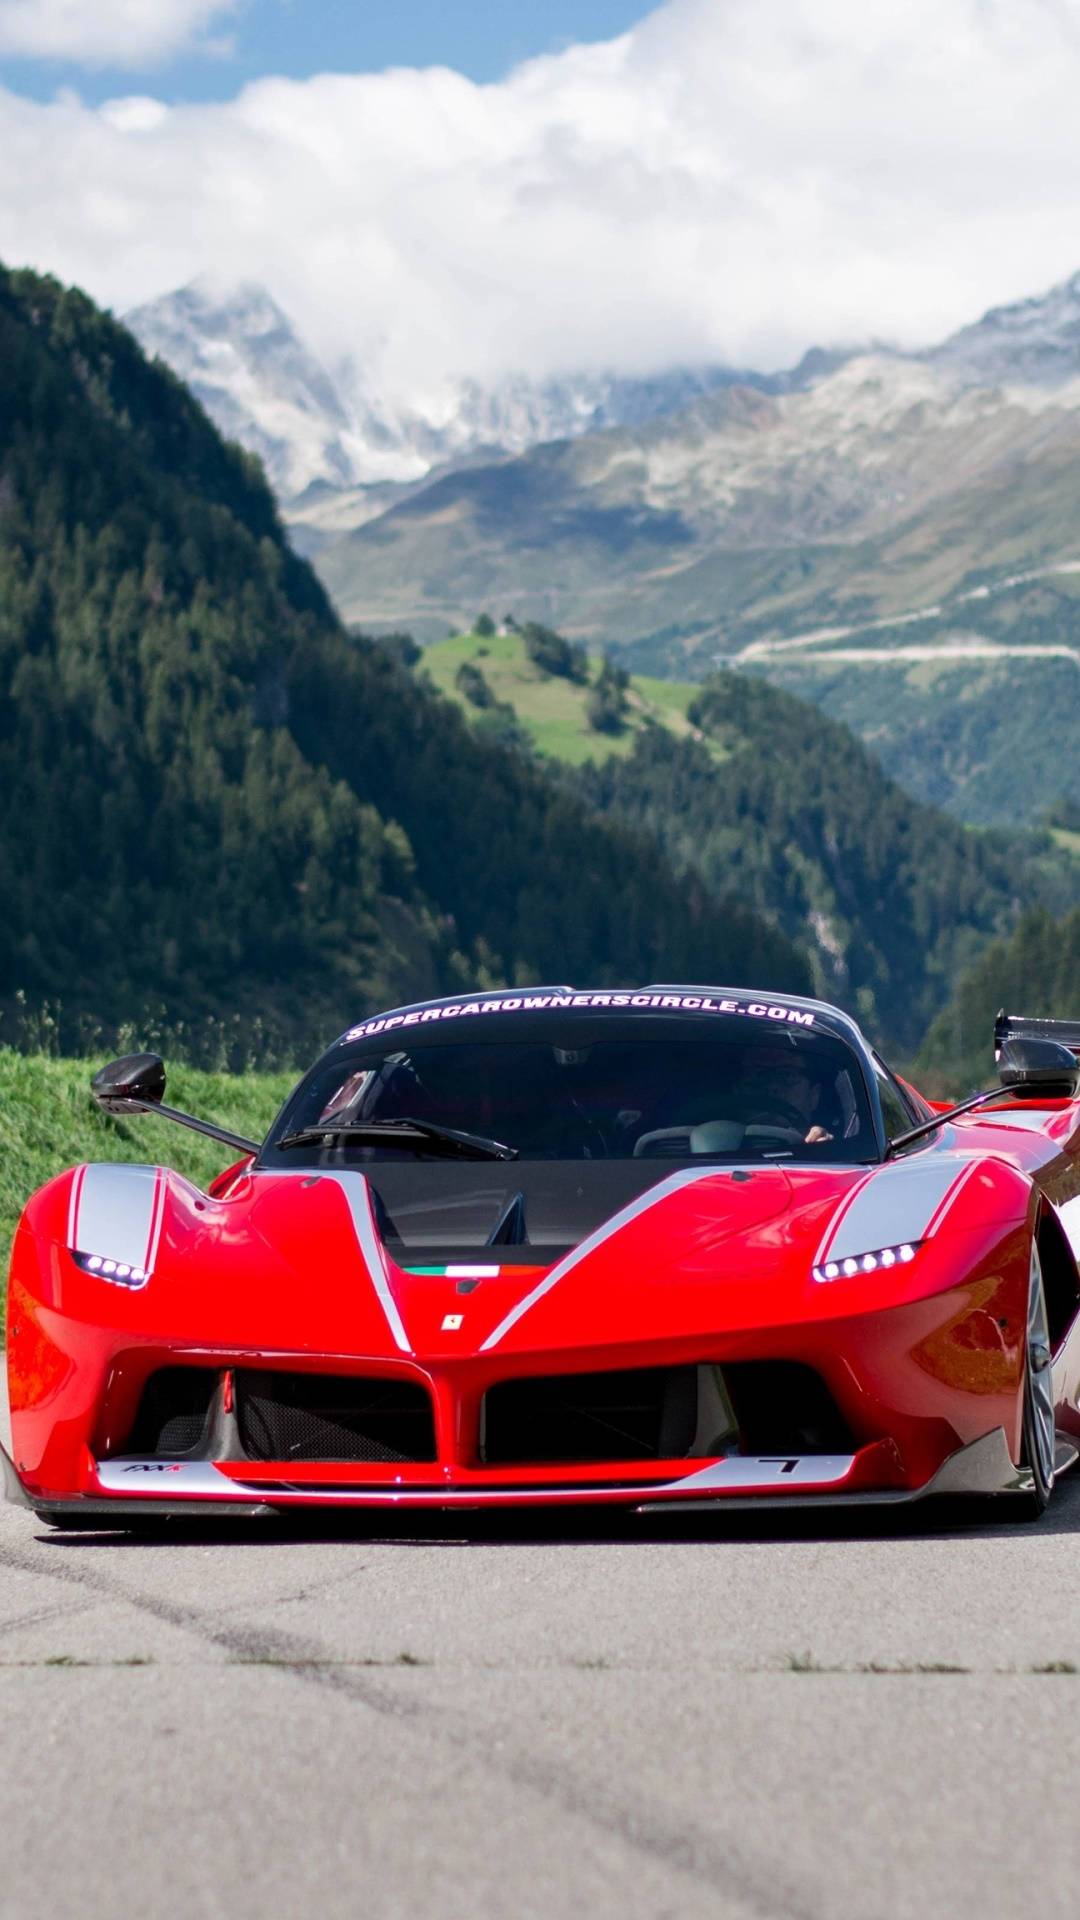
(881, 1257)
(117, 1271)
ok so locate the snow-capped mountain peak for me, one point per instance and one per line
(1030, 343)
(334, 426)
(242, 357)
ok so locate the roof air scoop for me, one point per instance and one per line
(510, 1230)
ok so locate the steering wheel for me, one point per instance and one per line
(780, 1120)
(568, 1135)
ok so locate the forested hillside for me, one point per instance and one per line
(211, 798)
(759, 794)
(785, 808)
(1036, 971)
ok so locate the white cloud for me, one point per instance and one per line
(731, 180)
(115, 33)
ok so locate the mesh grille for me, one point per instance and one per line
(646, 1413)
(306, 1416)
(174, 1412)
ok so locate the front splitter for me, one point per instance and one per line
(199, 1489)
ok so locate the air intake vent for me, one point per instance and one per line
(665, 1413)
(309, 1416)
(174, 1412)
(782, 1406)
(648, 1413)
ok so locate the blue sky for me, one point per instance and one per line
(480, 38)
(689, 182)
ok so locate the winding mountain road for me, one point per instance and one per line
(779, 1718)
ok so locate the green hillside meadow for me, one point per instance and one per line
(550, 707)
(48, 1122)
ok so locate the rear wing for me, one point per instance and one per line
(1021, 1026)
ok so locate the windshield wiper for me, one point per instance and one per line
(424, 1134)
(942, 1119)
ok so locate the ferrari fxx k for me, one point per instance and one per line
(667, 1248)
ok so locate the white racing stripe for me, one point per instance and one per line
(951, 1198)
(116, 1211)
(642, 1204)
(73, 1206)
(898, 1202)
(358, 1195)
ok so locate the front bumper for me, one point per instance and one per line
(198, 1489)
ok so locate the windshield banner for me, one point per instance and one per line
(559, 1003)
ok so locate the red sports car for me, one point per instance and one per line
(655, 1249)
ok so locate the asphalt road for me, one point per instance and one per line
(762, 1718)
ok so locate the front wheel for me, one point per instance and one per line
(1039, 1438)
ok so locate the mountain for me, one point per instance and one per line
(891, 536)
(336, 428)
(244, 362)
(890, 541)
(745, 516)
(761, 796)
(219, 816)
(1030, 343)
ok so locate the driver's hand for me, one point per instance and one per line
(816, 1135)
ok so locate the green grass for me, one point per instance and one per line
(551, 709)
(48, 1122)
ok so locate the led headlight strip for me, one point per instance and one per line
(116, 1270)
(881, 1257)
(889, 1214)
(115, 1214)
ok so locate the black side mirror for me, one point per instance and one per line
(1044, 1066)
(138, 1078)
(137, 1083)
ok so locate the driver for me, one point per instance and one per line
(785, 1076)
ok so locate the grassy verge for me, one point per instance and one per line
(48, 1122)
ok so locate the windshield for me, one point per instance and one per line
(621, 1089)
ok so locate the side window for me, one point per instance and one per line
(896, 1113)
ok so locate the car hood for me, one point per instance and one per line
(292, 1262)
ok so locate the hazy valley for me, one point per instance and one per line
(853, 530)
